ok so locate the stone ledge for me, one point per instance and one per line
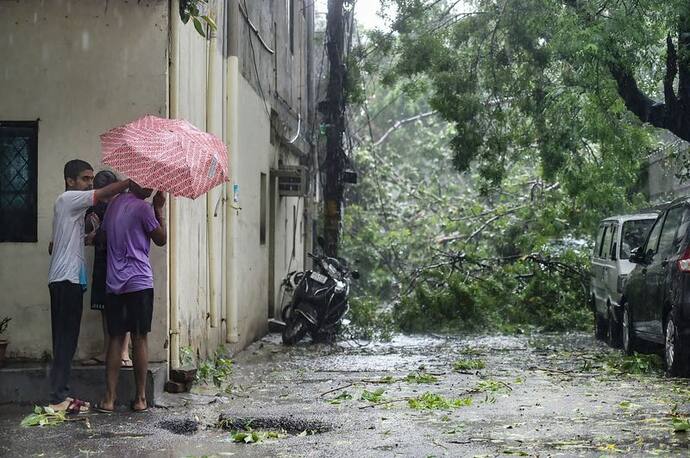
(27, 383)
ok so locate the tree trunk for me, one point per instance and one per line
(674, 113)
(335, 126)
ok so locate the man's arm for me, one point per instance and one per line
(159, 235)
(109, 191)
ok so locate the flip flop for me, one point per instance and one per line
(145, 409)
(101, 409)
(77, 406)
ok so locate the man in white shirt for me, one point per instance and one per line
(67, 274)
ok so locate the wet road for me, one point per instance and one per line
(546, 395)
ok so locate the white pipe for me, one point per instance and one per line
(231, 330)
(172, 226)
(211, 127)
(221, 197)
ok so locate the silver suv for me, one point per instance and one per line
(616, 238)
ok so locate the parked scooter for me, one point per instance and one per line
(319, 300)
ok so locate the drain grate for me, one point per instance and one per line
(183, 426)
(290, 425)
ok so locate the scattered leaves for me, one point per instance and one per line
(375, 397)
(468, 364)
(432, 401)
(44, 416)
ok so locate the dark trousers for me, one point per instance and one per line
(66, 304)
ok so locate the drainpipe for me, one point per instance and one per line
(211, 127)
(172, 226)
(231, 330)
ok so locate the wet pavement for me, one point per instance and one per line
(545, 395)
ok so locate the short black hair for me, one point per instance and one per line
(103, 179)
(74, 167)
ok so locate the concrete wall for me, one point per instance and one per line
(82, 68)
(664, 165)
(200, 69)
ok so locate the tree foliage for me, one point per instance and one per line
(548, 110)
(539, 78)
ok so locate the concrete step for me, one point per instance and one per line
(28, 383)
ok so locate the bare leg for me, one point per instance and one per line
(106, 336)
(113, 362)
(141, 365)
(125, 351)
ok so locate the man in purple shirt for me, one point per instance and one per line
(130, 223)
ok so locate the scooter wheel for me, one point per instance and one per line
(295, 330)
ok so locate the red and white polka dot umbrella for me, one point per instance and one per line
(168, 155)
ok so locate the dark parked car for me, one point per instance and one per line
(656, 295)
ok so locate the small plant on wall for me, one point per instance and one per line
(194, 9)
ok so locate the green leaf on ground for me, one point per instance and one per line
(344, 396)
(681, 425)
(44, 416)
(420, 377)
(468, 364)
(432, 401)
(374, 397)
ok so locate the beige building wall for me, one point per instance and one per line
(81, 68)
(197, 92)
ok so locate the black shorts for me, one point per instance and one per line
(129, 312)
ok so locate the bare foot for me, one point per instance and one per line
(139, 405)
(72, 405)
(105, 406)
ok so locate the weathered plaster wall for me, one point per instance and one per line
(197, 75)
(82, 68)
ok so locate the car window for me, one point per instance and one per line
(634, 234)
(682, 232)
(668, 233)
(600, 236)
(653, 240)
(606, 244)
(614, 237)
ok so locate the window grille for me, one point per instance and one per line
(18, 181)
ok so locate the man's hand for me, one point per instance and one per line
(159, 200)
(109, 191)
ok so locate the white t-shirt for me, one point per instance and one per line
(67, 262)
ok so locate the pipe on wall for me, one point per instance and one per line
(173, 111)
(231, 330)
(211, 127)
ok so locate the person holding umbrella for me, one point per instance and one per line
(67, 274)
(130, 224)
(172, 156)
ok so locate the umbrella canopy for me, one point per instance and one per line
(168, 155)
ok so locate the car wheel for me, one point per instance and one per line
(600, 327)
(674, 356)
(614, 333)
(628, 334)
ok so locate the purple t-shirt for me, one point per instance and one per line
(127, 224)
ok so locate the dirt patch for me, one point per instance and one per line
(290, 425)
(184, 426)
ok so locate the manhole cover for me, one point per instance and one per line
(288, 424)
(180, 425)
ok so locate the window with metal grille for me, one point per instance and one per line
(18, 181)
